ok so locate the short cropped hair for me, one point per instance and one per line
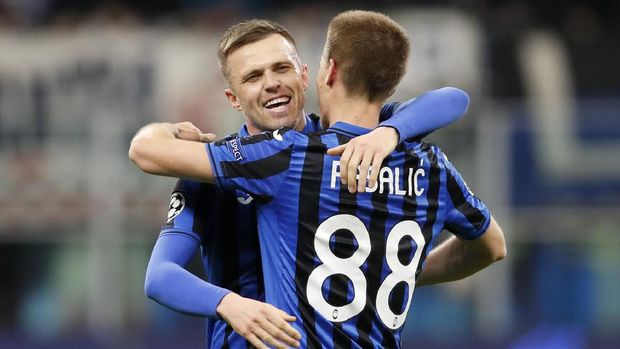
(371, 51)
(245, 33)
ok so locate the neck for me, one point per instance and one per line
(299, 125)
(355, 110)
(252, 130)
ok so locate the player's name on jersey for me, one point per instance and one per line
(389, 180)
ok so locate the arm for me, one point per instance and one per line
(234, 161)
(478, 241)
(162, 149)
(429, 112)
(456, 258)
(414, 118)
(170, 284)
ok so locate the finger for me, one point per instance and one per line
(285, 316)
(365, 165)
(256, 342)
(267, 338)
(175, 131)
(280, 334)
(344, 161)
(352, 171)
(188, 125)
(337, 151)
(187, 134)
(207, 137)
(282, 324)
(374, 170)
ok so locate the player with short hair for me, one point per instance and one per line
(248, 104)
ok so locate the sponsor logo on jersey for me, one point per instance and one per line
(244, 199)
(234, 146)
(277, 135)
(177, 204)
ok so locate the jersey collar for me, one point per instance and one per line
(243, 132)
(348, 129)
(312, 125)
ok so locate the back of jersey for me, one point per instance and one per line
(345, 264)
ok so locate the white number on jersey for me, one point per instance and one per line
(350, 267)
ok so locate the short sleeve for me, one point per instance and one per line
(467, 217)
(255, 164)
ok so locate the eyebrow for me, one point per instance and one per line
(261, 70)
(251, 73)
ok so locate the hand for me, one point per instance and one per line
(187, 131)
(366, 152)
(258, 322)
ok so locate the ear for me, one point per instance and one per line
(232, 98)
(332, 72)
(304, 75)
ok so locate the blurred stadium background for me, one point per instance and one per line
(540, 144)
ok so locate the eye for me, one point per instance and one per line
(283, 69)
(251, 78)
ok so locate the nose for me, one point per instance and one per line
(271, 81)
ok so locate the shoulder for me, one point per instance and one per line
(187, 185)
(313, 123)
(197, 195)
(223, 141)
(429, 150)
(281, 134)
(194, 188)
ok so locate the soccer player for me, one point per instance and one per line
(223, 223)
(234, 147)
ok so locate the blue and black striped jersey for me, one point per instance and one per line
(224, 222)
(345, 264)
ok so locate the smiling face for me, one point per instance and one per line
(267, 83)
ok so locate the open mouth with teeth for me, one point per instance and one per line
(277, 104)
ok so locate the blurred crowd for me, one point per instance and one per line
(73, 93)
(589, 28)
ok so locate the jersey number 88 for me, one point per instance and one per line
(350, 267)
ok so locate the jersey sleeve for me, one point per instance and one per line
(170, 284)
(186, 198)
(388, 109)
(422, 115)
(467, 216)
(256, 164)
(190, 211)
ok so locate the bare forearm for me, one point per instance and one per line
(156, 149)
(456, 259)
(147, 145)
(452, 260)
